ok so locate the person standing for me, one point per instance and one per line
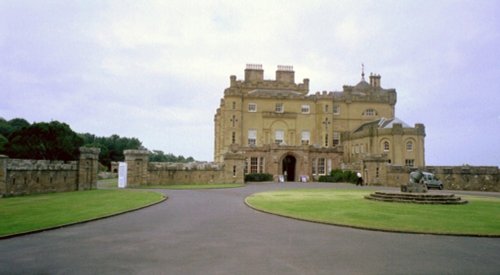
(360, 179)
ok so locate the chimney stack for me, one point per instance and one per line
(375, 80)
(254, 73)
(285, 74)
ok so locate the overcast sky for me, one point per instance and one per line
(156, 70)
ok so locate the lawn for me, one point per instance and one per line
(37, 212)
(481, 216)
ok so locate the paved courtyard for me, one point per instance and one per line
(213, 232)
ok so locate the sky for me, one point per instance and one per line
(156, 70)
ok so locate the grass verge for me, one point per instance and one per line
(19, 215)
(480, 217)
(190, 186)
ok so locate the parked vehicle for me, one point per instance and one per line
(432, 181)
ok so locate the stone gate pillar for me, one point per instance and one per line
(88, 167)
(3, 175)
(137, 167)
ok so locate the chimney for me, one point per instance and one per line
(375, 80)
(285, 74)
(254, 73)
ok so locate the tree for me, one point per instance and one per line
(159, 156)
(50, 141)
(9, 127)
(111, 147)
(3, 142)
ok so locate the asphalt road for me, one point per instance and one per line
(214, 232)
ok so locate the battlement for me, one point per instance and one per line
(254, 79)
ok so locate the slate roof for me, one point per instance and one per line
(383, 123)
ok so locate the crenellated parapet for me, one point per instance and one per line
(254, 79)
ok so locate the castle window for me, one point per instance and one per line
(410, 162)
(252, 137)
(370, 112)
(279, 108)
(279, 136)
(252, 107)
(314, 166)
(409, 146)
(326, 108)
(326, 140)
(233, 138)
(234, 105)
(386, 146)
(261, 165)
(336, 138)
(321, 166)
(254, 162)
(336, 109)
(306, 137)
(305, 109)
(234, 170)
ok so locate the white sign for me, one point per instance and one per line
(122, 175)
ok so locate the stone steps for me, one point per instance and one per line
(420, 198)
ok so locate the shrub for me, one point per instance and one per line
(338, 175)
(258, 177)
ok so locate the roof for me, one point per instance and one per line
(362, 85)
(382, 123)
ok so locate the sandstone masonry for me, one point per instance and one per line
(24, 176)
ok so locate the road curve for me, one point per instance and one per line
(214, 232)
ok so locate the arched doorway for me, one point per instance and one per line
(288, 167)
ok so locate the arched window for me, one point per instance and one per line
(370, 112)
(386, 146)
(409, 146)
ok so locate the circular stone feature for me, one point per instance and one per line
(421, 198)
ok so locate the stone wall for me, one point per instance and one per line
(474, 178)
(142, 172)
(24, 176)
(480, 178)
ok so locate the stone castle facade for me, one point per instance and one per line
(281, 129)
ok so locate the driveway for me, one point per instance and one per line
(213, 232)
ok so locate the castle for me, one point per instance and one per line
(281, 129)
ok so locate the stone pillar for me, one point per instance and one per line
(234, 163)
(3, 175)
(137, 167)
(88, 167)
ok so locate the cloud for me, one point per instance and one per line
(157, 70)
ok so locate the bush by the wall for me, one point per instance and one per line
(258, 177)
(338, 175)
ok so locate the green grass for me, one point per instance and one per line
(190, 186)
(36, 212)
(481, 216)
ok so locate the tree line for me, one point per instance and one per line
(57, 141)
